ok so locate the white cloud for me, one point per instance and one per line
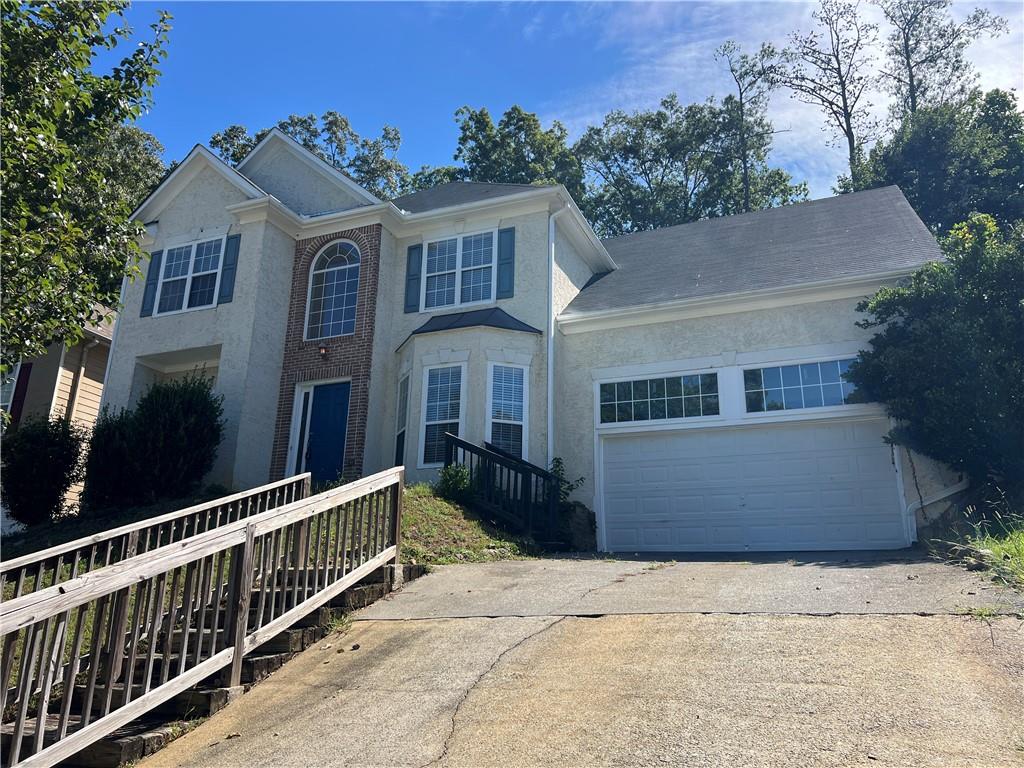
(670, 47)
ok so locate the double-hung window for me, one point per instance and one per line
(790, 387)
(403, 418)
(189, 276)
(459, 270)
(442, 410)
(506, 424)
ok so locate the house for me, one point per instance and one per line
(692, 375)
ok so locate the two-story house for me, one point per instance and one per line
(692, 375)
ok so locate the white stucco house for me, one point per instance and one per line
(692, 375)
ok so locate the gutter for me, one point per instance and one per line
(550, 372)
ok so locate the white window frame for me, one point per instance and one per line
(13, 378)
(309, 288)
(188, 278)
(402, 425)
(813, 409)
(459, 237)
(489, 417)
(674, 422)
(420, 464)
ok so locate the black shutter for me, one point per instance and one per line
(506, 263)
(227, 275)
(413, 268)
(152, 280)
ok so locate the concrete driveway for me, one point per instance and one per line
(822, 661)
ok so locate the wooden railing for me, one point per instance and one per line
(518, 494)
(64, 562)
(82, 658)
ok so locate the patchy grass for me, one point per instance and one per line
(437, 532)
(994, 542)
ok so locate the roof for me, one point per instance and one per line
(458, 193)
(849, 236)
(492, 317)
(103, 328)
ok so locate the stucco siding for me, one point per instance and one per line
(298, 185)
(571, 272)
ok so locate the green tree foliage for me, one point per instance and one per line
(925, 63)
(161, 449)
(956, 159)
(677, 164)
(371, 163)
(42, 459)
(831, 67)
(66, 238)
(947, 360)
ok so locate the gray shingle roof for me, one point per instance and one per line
(457, 193)
(492, 317)
(863, 233)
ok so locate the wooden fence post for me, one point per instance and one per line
(396, 521)
(241, 588)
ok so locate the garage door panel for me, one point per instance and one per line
(818, 485)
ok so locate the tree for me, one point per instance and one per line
(831, 68)
(755, 76)
(676, 164)
(67, 239)
(947, 361)
(372, 163)
(956, 159)
(924, 52)
(518, 150)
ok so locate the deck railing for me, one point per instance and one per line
(518, 494)
(64, 562)
(84, 657)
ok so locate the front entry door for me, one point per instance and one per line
(322, 431)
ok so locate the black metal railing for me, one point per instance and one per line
(519, 495)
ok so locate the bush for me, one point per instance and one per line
(161, 449)
(453, 483)
(42, 459)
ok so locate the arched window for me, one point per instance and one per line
(333, 287)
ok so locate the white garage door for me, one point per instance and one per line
(793, 486)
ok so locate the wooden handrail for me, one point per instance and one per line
(83, 657)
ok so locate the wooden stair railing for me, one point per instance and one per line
(63, 562)
(86, 656)
(516, 493)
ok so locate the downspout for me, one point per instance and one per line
(76, 382)
(550, 453)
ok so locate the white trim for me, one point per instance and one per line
(489, 418)
(510, 356)
(746, 301)
(314, 161)
(423, 410)
(293, 431)
(459, 269)
(56, 381)
(193, 245)
(309, 288)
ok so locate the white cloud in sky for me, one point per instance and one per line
(670, 47)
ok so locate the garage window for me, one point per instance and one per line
(789, 387)
(672, 397)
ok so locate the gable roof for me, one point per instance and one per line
(866, 233)
(492, 317)
(459, 193)
(278, 138)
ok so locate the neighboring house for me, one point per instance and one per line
(692, 374)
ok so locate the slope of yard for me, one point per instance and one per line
(436, 531)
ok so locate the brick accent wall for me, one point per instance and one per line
(347, 356)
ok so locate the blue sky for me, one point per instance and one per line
(413, 64)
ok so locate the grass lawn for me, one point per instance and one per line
(1002, 552)
(436, 531)
(993, 541)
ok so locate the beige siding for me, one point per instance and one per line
(41, 383)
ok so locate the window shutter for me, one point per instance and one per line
(506, 263)
(227, 275)
(152, 280)
(413, 268)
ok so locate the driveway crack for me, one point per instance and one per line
(476, 682)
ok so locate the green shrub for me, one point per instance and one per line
(161, 449)
(42, 459)
(453, 483)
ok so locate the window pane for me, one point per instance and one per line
(709, 405)
(657, 409)
(476, 284)
(608, 413)
(507, 393)
(793, 397)
(334, 293)
(708, 383)
(207, 257)
(830, 372)
(773, 400)
(477, 250)
(433, 441)
(624, 412)
(641, 411)
(443, 394)
(752, 379)
(641, 390)
(441, 256)
(607, 393)
(832, 394)
(440, 290)
(674, 407)
(809, 374)
(657, 388)
(691, 385)
(691, 406)
(624, 391)
(812, 397)
(200, 293)
(508, 438)
(791, 376)
(172, 296)
(176, 262)
(772, 378)
(674, 387)
(755, 402)
(848, 390)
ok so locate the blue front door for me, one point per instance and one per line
(327, 421)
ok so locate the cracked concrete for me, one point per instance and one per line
(752, 684)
